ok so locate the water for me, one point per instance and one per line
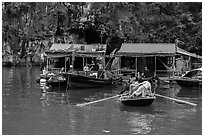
(26, 110)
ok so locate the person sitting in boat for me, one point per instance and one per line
(45, 71)
(94, 66)
(133, 85)
(144, 89)
(132, 77)
(86, 70)
(132, 81)
(146, 73)
(71, 68)
(62, 70)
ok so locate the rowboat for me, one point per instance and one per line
(137, 101)
(192, 78)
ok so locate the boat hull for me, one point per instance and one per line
(62, 83)
(192, 78)
(188, 82)
(80, 81)
(138, 101)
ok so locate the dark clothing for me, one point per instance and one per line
(95, 67)
(42, 65)
(147, 74)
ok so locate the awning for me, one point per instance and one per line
(184, 52)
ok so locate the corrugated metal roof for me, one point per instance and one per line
(147, 48)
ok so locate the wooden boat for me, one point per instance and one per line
(74, 60)
(57, 80)
(137, 101)
(82, 81)
(192, 78)
(75, 80)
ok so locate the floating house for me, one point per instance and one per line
(162, 59)
(74, 55)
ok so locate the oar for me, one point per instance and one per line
(177, 100)
(96, 101)
(104, 99)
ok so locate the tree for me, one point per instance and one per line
(147, 22)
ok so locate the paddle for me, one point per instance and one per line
(177, 100)
(104, 99)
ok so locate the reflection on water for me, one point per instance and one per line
(28, 109)
(56, 98)
(194, 93)
(140, 118)
(142, 110)
(140, 124)
(76, 96)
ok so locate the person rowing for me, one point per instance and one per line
(143, 89)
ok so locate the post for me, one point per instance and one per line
(65, 66)
(136, 64)
(83, 62)
(47, 64)
(118, 68)
(119, 64)
(155, 65)
(73, 59)
(173, 65)
(101, 36)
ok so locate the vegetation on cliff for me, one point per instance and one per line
(29, 28)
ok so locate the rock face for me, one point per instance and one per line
(33, 51)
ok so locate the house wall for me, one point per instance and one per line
(137, 64)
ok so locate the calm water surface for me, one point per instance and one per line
(29, 111)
